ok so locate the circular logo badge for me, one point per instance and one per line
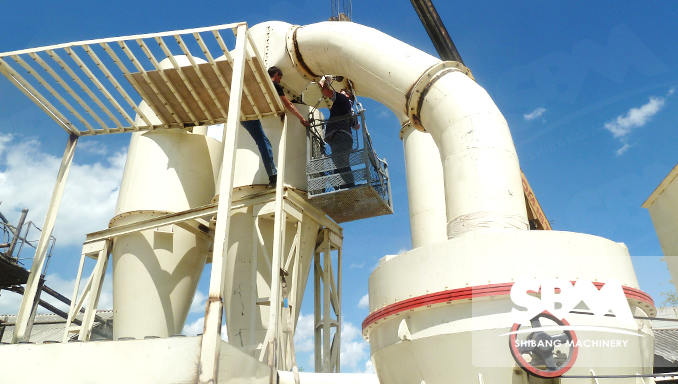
(546, 348)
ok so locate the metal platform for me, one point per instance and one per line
(94, 87)
(371, 194)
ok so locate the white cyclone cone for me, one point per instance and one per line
(155, 272)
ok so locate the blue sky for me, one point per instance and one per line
(587, 90)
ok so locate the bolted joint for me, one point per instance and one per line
(417, 93)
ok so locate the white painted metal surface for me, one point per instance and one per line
(153, 361)
(210, 348)
(425, 188)
(485, 210)
(464, 336)
(482, 176)
(166, 172)
(249, 169)
(484, 241)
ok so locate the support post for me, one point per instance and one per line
(95, 293)
(326, 303)
(23, 325)
(211, 339)
(272, 333)
(337, 334)
(317, 321)
(17, 234)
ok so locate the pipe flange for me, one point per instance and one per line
(415, 96)
(295, 55)
(405, 128)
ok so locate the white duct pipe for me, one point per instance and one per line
(482, 177)
(425, 187)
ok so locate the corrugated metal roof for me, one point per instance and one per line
(666, 344)
(50, 327)
(669, 316)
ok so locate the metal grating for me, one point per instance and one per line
(371, 195)
(95, 87)
(357, 203)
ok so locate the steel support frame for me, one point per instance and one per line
(211, 339)
(26, 313)
(289, 278)
(98, 250)
(327, 302)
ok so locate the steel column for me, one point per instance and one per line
(211, 339)
(23, 327)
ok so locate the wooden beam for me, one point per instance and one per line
(535, 214)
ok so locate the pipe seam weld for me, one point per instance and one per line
(417, 93)
(484, 220)
(295, 54)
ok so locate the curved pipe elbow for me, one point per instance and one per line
(483, 187)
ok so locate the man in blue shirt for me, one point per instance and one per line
(257, 132)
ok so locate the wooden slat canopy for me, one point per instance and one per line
(95, 87)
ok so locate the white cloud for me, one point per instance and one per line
(4, 139)
(369, 367)
(197, 327)
(198, 303)
(9, 302)
(623, 149)
(303, 335)
(27, 176)
(354, 349)
(194, 328)
(364, 301)
(671, 91)
(93, 147)
(534, 114)
(635, 117)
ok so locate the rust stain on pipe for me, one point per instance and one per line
(299, 58)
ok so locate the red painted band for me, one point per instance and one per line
(471, 293)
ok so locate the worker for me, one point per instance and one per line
(257, 132)
(338, 130)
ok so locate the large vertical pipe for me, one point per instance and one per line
(425, 187)
(483, 184)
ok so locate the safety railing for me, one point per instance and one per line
(347, 185)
